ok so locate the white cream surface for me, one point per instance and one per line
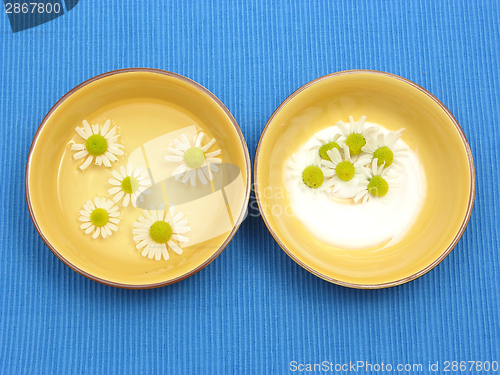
(343, 223)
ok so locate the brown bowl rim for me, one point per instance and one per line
(237, 223)
(469, 206)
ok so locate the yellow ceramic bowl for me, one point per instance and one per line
(431, 131)
(145, 104)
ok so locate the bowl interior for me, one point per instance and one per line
(430, 131)
(145, 105)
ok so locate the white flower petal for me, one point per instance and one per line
(129, 170)
(201, 176)
(179, 145)
(80, 154)
(91, 205)
(117, 175)
(118, 196)
(208, 145)
(151, 250)
(114, 182)
(85, 225)
(77, 147)
(112, 226)
(174, 247)
(105, 127)
(181, 230)
(115, 150)
(143, 243)
(123, 171)
(82, 133)
(179, 170)
(199, 138)
(110, 156)
(110, 134)
(174, 151)
(185, 141)
(86, 163)
(212, 154)
(87, 128)
(173, 158)
(105, 161)
(192, 177)
(137, 172)
(126, 200)
(180, 238)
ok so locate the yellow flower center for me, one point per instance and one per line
(384, 154)
(96, 145)
(99, 217)
(378, 186)
(160, 232)
(130, 184)
(313, 176)
(355, 143)
(194, 157)
(329, 146)
(345, 170)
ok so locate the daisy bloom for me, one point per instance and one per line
(327, 144)
(129, 183)
(382, 147)
(156, 230)
(99, 143)
(193, 160)
(99, 217)
(354, 134)
(306, 172)
(377, 183)
(342, 168)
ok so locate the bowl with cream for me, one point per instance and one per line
(364, 179)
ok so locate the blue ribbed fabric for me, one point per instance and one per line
(253, 310)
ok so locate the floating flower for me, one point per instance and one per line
(327, 144)
(355, 134)
(193, 160)
(306, 172)
(155, 231)
(99, 217)
(342, 168)
(129, 183)
(100, 144)
(382, 147)
(377, 183)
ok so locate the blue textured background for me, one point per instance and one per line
(253, 310)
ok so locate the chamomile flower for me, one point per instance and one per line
(128, 183)
(342, 171)
(326, 144)
(383, 147)
(306, 172)
(193, 159)
(355, 134)
(99, 144)
(377, 183)
(99, 217)
(157, 230)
